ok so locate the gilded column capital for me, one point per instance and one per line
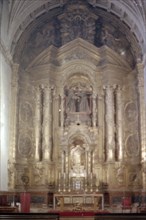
(110, 87)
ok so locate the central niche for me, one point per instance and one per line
(78, 104)
(78, 165)
(77, 154)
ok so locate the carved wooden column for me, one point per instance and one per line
(47, 124)
(101, 125)
(86, 156)
(63, 162)
(89, 162)
(94, 119)
(87, 171)
(67, 169)
(110, 123)
(62, 111)
(119, 127)
(38, 116)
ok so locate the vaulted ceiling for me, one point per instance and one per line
(24, 14)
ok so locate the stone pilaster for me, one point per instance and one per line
(94, 118)
(62, 111)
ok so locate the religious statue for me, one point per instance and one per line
(77, 101)
(78, 161)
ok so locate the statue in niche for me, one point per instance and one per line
(77, 101)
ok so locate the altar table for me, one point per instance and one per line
(90, 200)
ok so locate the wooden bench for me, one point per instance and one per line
(8, 209)
(121, 216)
(30, 216)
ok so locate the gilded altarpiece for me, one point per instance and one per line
(77, 129)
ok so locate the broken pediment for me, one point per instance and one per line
(79, 50)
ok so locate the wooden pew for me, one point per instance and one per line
(8, 209)
(121, 216)
(30, 216)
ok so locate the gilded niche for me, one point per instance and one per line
(77, 157)
(78, 104)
